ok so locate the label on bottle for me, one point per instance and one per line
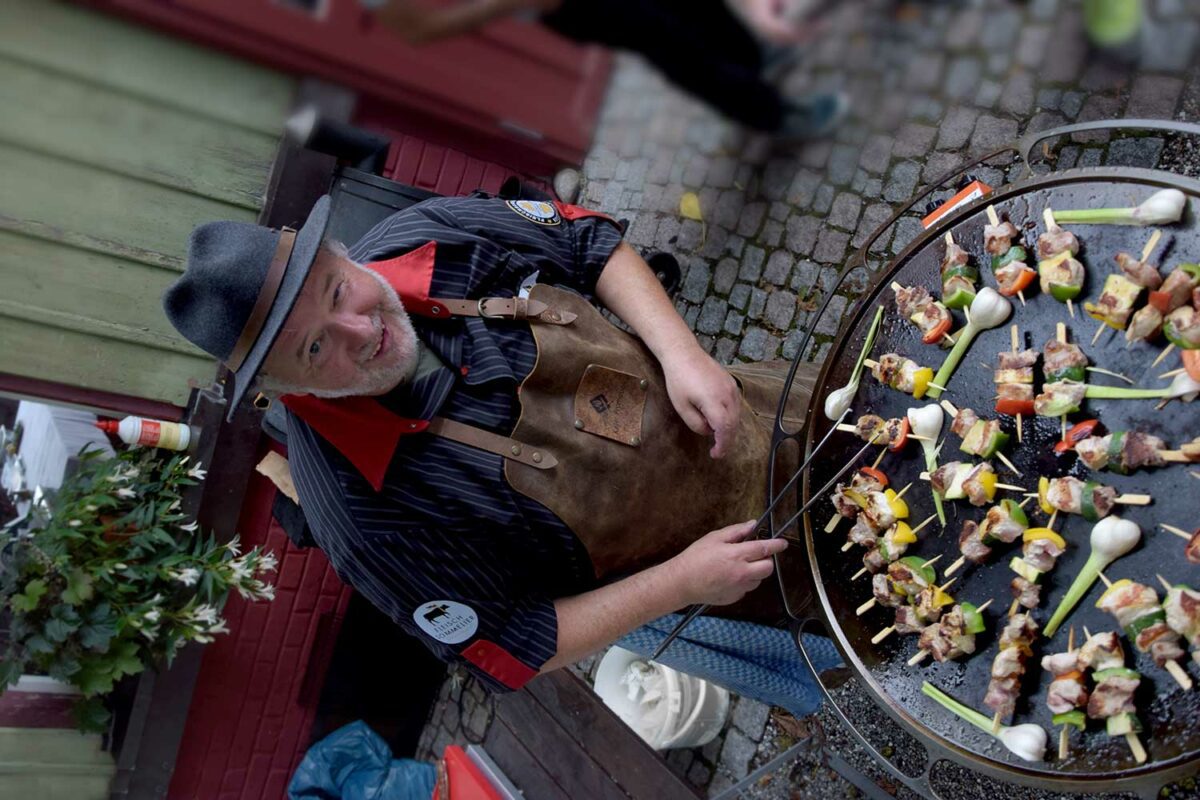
(149, 433)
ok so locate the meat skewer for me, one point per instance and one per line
(923, 609)
(958, 276)
(902, 374)
(879, 512)
(951, 636)
(1112, 696)
(1008, 260)
(904, 579)
(1060, 273)
(1068, 691)
(1065, 367)
(1137, 610)
(1122, 290)
(1002, 525)
(1182, 606)
(1040, 550)
(1173, 292)
(891, 433)
(891, 545)
(1014, 382)
(1016, 646)
(1191, 550)
(1125, 451)
(931, 317)
(977, 483)
(980, 437)
(1092, 500)
(848, 500)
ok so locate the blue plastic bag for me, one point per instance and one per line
(354, 763)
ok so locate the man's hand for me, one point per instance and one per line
(721, 567)
(772, 21)
(704, 395)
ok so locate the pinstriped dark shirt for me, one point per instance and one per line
(446, 525)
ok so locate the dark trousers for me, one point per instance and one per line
(699, 45)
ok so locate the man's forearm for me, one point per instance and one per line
(630, 290)
(589, 621)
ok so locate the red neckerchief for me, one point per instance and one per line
(361, 428)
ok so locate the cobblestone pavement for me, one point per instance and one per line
(933, 85)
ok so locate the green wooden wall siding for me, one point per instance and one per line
(115, 141)
(53, 764)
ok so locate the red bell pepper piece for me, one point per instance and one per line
(876, 474)
(1014, 407)
(1076, 434)
(1191, 362)
(936, 333)
(1023, 279)
(1161, 301)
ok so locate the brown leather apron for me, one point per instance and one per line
(631, 480)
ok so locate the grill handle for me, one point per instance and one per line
(1026, 143)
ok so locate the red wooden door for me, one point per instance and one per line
(514, 92)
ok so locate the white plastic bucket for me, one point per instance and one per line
(665, 707)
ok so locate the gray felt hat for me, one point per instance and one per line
(240, 285)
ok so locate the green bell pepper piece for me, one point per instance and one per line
(1014, 253)
(973, 619)
(1076, 718)
(1062, 293)
(1145, 621)
(1016, 512)
(1116, 672)
(959, 298)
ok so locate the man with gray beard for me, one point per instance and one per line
(508, 476)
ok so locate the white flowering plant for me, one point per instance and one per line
(113, 576)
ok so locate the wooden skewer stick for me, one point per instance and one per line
(938, 386)
(1010, 487)
(993, 217)
(996, 723)
(883, 451)
(865, 607)
(949, 408)
(1180, 532)
(1063, 735)
(1053, 517)
(1177, 672)
(949, 238)
(1048, 216)
(926, 521)
(900, 493)
(1177, 456)
(1194, 474)
(1132, 499)
(847, 546)
(1071, 308)
(1116, 375)
(1150, 245)
(918, 658)
(953, 568)
(1171, 374)
(1107, 582)
(846, 427)
(883, 634)
(1166, 352)
(1008, 464)
(1135, 747)
(1025, 502)
(858, 574)
(1163, 581)
(831, 526)
(1099, 330)
(1015, 339)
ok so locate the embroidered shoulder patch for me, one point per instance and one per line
(536, 211)
(447, 621)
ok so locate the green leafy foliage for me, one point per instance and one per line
(116, 577)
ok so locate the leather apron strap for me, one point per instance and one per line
(491, 443)
(520, 308)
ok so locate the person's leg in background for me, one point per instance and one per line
(703, 49)
(750, 660)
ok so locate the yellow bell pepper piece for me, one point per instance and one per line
(941, 598)
(988, 481)
(1032, 534)
(904, 534)
(1043, 489)
(897, 504)
(921, 379)
(1116, 585)
(856, 497)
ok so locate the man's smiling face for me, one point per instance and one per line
(348, 334)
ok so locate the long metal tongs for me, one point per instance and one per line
(696, 611)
